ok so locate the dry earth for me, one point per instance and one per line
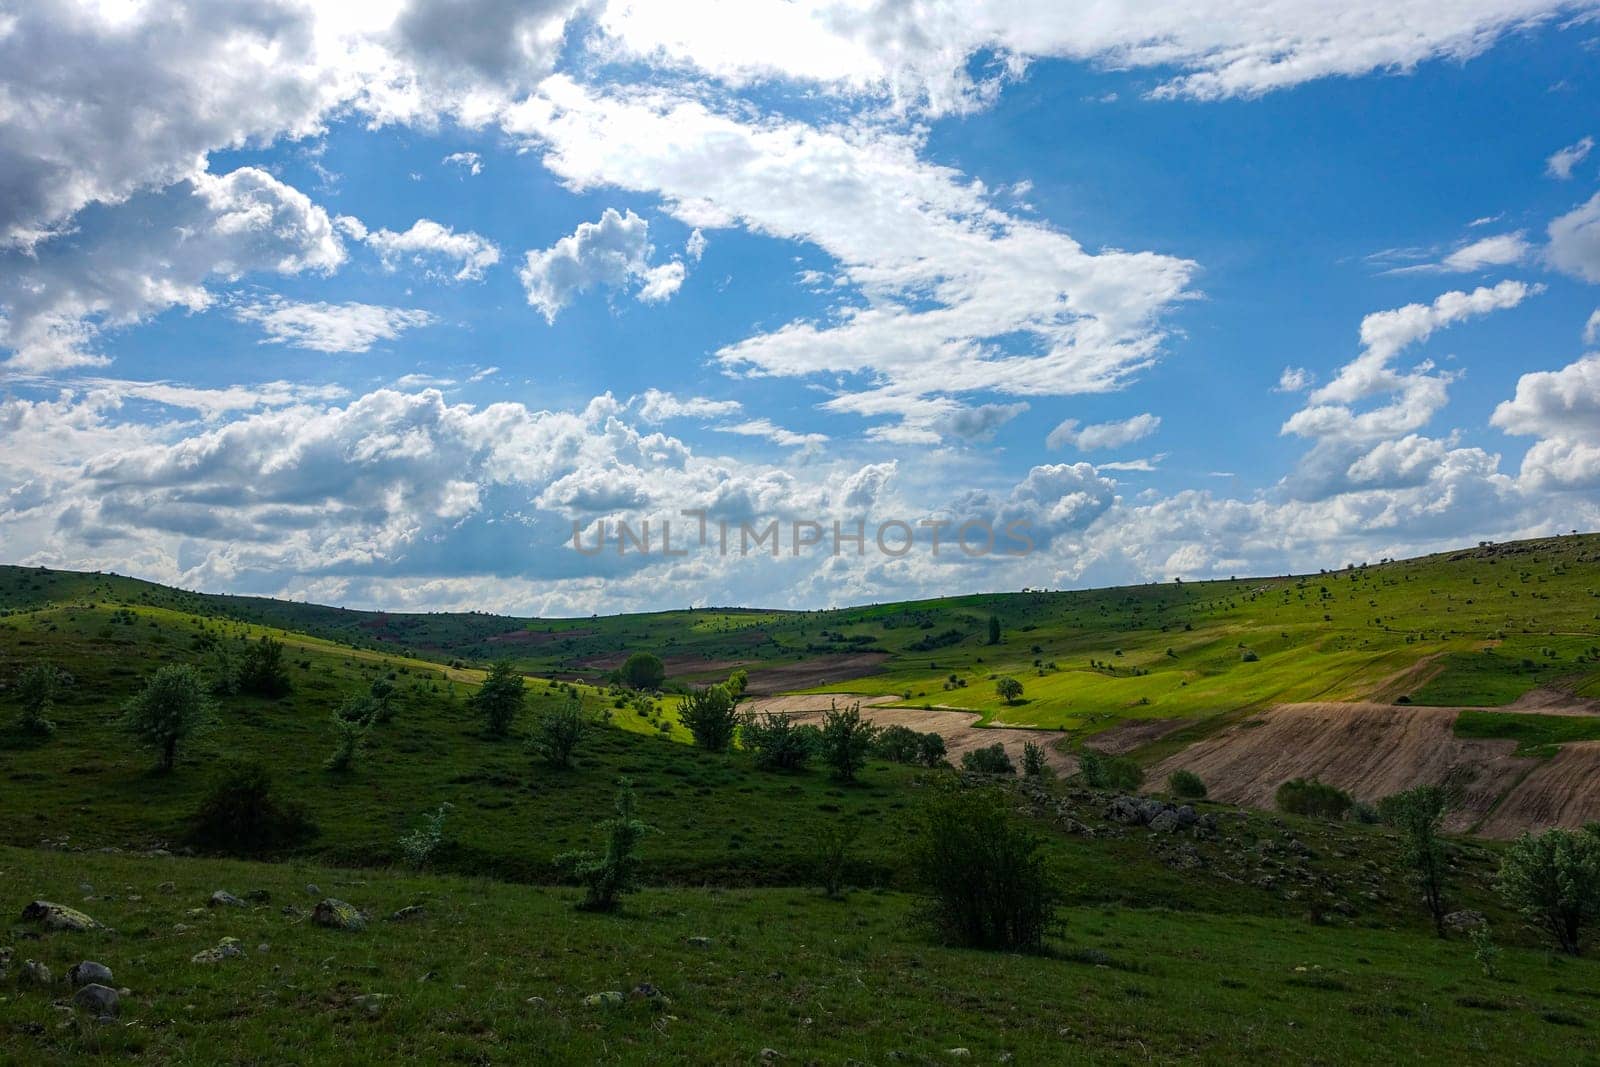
(1563, 790)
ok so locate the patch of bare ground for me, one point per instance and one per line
(1563, 790)
(810, 673)
(1370, 750)
(958, 728)
(1549, 700)
(1130, 734)
(534, 637)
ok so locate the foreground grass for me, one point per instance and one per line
(785, 969)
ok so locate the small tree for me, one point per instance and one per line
(931, 749)
(990, 760)
(846, 741)
(558, 731)
(383, 693)
(737, 683)
(1033, 761)
(610, 875)
(898, 744)
(1418, 813)
(1009, 688)
(1186, 785)
(351, 722)
(985, 874)
(37, 689)
(241, 815)
(261, 669)
(644, 670)
(994, 630)
(171, 707)
(499, 700)
(1554, 879)
(419, 846)
(776, 741)
(709, 715)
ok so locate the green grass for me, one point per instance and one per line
(1535, 735)
(816, 980)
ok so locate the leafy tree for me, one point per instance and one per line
(37, 689)
(499, 699)
(898, 744)
(383, 693)
(262, 671)
(171, 707)
(241, 815)
(709, 714)
(558, 731)
(846, 741)
(994, 630)
(779, 744)
(931, 749)
(737, 683)
(1186, 785)
(1009, 688)
(984, 873)
(990, 760)
(1033, 761)
(644, 670)
(1418, 813)
(1553, 878)
(352, 721)
(615, 872)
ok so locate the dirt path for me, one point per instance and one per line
(1371, 750)
(956, 727)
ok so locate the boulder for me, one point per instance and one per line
(227, 949)
(58, 917)
(1461, 922)
(608, 999)
(34, 973)
(1165, 822)
(337, 915)
(1187, 816)
(96, 999)
(88, 973)
(224, 899)
(1126, 810)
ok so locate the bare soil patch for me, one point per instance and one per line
(1563, 790)
(1550, 701)
(534, 637)
(1130, 734)
(810, 673)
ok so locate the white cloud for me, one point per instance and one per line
(1575, 241)
(1591, 329)
(470, 162)
(1103, 434)
(1497, 251)
(1143, 466)
(696, 246)
(1561, 163)
(324, 327)
(774, 433)
(428, 243)
(656, 406)
(1294, 380)
(613, 253)
(153, 252)
(1562, 409)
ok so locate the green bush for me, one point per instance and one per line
(983, 872)
(931, 749)
(1033, 761)
(644, 670)
(710, 715)
(499, 699)
(845, 741)
(38, 687)
(777, 742)
(833, 856)
(261, 670)
(898, 744)
(420, 845)
(615, 872)
(1307, 796)
(1098, 771)
(990, 760)
(240, 815)
(351, 722)
(1553, 878)
(1418, 814)
(171, 707)
(1186, 784)
(558, 731)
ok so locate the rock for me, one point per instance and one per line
(1462, 921)
(58, 917)
(1187, 816)
(770, 1054)
(180, 928)
(34, 973)
(312, 890)
(608, 999)
(698, 942)
(371, 1002)
(227, 949)
(536, 1002)
(96, 999)
(263, 948)
(408, 913)
(1126, 810)
(959, 1053)
(337, 915)
(88, 973)
(167, 887)
(1165, 822)
(224, 899)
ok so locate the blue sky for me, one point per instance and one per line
(378, 302)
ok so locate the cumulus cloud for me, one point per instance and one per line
(470, 162)
(1103, 434)
(1591, 329)
(613, 253)
(152, 252)
(657, 406)
(323, 327)
(1562, 162)
(1574, 246)
(427, 245)
(1294, 380)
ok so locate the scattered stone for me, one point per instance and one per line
(58, 917)
(536, 1002)
(88, 973)
(959, 1053)
(770, 1054)
(34, 973)
(97, 999)
(699, 942)
(1461, 922)
(608, 999)
(263, 948)
(337, 915)
(312, 890)
(1164, 822)
(227, 949)
(371, 1002)
(408, 913)
(180, 928)
(224, 899)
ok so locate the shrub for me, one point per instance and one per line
(931, 749)
(898, 744)
(558, 731)
(606, 877)
(1009, 688)
(1248, 656)
(240, 815)
(419, 846)
(990, 760)
(644, 670)
(170, 708)
(37, 689)
(1186, 784)
(833, 856)
(984, 873)
(1307, 796)
(1099, 771)
(261, 669)
(845, 741)
(1033, 761)
(351, 721)
(1553, 878)
(777, 743)
(383, 694)
(709, 715)
(1418, 813)
(499, 699)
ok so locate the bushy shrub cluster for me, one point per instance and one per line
(1307, 796)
